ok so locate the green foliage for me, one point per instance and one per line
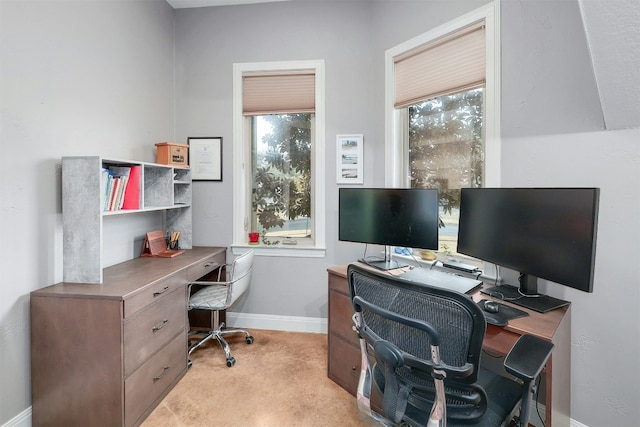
(282, 180)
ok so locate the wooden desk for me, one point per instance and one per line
(555, 326)
(107, 354)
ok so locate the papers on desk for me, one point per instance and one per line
(440, 279)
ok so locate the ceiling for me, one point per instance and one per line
(613, 36)
(180, 4)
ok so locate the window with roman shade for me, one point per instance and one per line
(442, 93)
(278, 156)
(278, 92)
(453, 63)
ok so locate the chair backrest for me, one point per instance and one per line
(387, 308)
(239, 274)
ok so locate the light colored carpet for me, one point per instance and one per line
(279, 380)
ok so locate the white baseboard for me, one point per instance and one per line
(574, 423)
(534, 419)
(23, 419)
(278, 323)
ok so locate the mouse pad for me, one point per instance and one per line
(504, 314)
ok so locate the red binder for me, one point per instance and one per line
(132, 190)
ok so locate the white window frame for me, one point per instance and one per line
(242, 161)
(395, 148)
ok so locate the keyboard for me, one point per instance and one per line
(440, 279)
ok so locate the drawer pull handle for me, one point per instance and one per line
(209, 264)
(159, 377)
(162, 325)
(166, 288)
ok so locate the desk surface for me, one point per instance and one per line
(121, 280)
(543, 325)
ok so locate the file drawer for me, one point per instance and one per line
(344, 363)
(340, 316)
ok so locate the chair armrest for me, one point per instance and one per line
(527, 357)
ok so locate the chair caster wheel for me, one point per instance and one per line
(231, 361)
(189, 363)
(249, 339)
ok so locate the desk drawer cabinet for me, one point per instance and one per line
(344, 348)
(105, 355)
(86, 352)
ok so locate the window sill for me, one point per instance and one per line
(280, 250)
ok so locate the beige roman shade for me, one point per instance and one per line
(451, 64)
(278, 92)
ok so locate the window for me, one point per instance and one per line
(279, 157)
(443, 114)
(281, 177)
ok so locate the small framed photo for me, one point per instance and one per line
(205, 158)
(349, 161)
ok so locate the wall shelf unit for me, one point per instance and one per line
(84, 206)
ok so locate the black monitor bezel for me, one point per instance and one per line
(523, 266)
(430, 242)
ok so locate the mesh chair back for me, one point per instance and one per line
(459, 323)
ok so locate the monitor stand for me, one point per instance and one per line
(540, 303)
(383, 264)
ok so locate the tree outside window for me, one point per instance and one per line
(281, 166)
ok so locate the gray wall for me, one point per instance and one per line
(76, 78)
(97, 78)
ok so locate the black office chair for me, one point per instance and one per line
(218, 296)
(421, 349)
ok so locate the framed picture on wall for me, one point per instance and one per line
(205, 158)
(349, 160)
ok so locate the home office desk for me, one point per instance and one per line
(106, 354)
(554, 326)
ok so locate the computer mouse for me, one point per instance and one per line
(491, 306)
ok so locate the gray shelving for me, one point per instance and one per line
(162, 188)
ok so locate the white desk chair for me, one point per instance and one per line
(218, 296)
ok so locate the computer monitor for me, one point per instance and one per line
(406, 217)
(540, 232)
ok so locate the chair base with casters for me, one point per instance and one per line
(218, 332)
(218, 296)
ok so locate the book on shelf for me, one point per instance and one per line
(105, 181)
(121, 189)
(131, 199)
(115, 181)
